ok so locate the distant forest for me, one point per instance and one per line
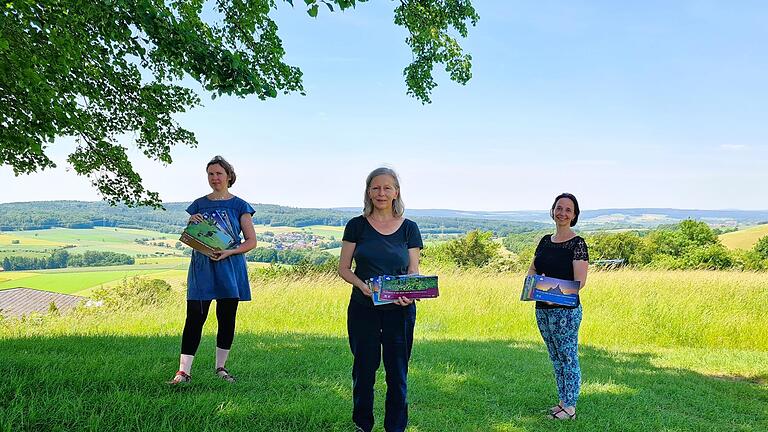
(82, 214)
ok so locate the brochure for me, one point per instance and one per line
(543, 288)
(374, 286)
(211, 235)
(389, 288)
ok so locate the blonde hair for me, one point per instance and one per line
(398, 207)
(228, 168)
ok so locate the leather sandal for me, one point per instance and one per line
(555, 408)
(181, 377)
(224, 374)
(562, 414)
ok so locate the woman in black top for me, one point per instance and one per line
(562, 255)
(381, 242)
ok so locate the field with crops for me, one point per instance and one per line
(746, 238)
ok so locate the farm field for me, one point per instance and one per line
(744, 239)
(42, 242)
(74, 281)
(83, 280)
(659, 351)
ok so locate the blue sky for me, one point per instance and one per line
(625, 104)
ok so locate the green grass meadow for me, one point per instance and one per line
(40, 243)
(660, 351)
(83, 280)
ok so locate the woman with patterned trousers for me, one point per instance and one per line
(381, 242)
(562, 255)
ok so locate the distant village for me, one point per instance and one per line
(297, 240)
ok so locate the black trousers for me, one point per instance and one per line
(373, 332)
(197, 312)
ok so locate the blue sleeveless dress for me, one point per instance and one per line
(208, 279)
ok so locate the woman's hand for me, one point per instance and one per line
(220, 255)
(195, 218)
(367, 291)
(403, 301)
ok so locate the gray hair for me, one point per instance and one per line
(398, 208)
(228, 168)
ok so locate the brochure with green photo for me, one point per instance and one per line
(211, 235)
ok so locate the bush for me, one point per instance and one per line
(623, 245)
(749, 260)
(710, 257)
(305, 268)
(436, 255)
(761, 247)
(134, 292)
(476, 249)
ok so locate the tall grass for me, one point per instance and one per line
(683, 351)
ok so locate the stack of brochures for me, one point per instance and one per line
(214, 233)
(558, 291)
(386, 289)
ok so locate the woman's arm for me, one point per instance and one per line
(580, 272)
(246, 225)
(345, 268)
(531, 269)
(414, 254)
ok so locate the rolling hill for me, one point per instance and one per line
(746, 238)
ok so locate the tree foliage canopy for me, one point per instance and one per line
(95, 70)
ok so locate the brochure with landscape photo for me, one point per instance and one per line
(210, 235)
(374, 286)
(388, 288)
(558, 291)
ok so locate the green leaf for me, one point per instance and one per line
(329, 6)
(313, 11)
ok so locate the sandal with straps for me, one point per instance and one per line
(562, 414)
(224, 374)
(555, 409)
(181, 377)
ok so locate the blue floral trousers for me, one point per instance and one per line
(560, 330)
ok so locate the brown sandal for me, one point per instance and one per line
(225, 375)
(181, 377)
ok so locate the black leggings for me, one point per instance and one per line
(197, 312)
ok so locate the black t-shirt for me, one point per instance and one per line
(556, 260)
(377, 254)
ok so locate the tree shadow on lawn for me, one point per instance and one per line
(301, 382)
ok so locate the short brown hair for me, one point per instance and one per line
(228, 168)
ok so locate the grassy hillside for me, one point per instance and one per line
(746, 238)
(41, 243)
(82, 281)
(674, 351)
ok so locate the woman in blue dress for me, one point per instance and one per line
(223, 278)
(381, 242)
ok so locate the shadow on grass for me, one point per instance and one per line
(302, 383)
